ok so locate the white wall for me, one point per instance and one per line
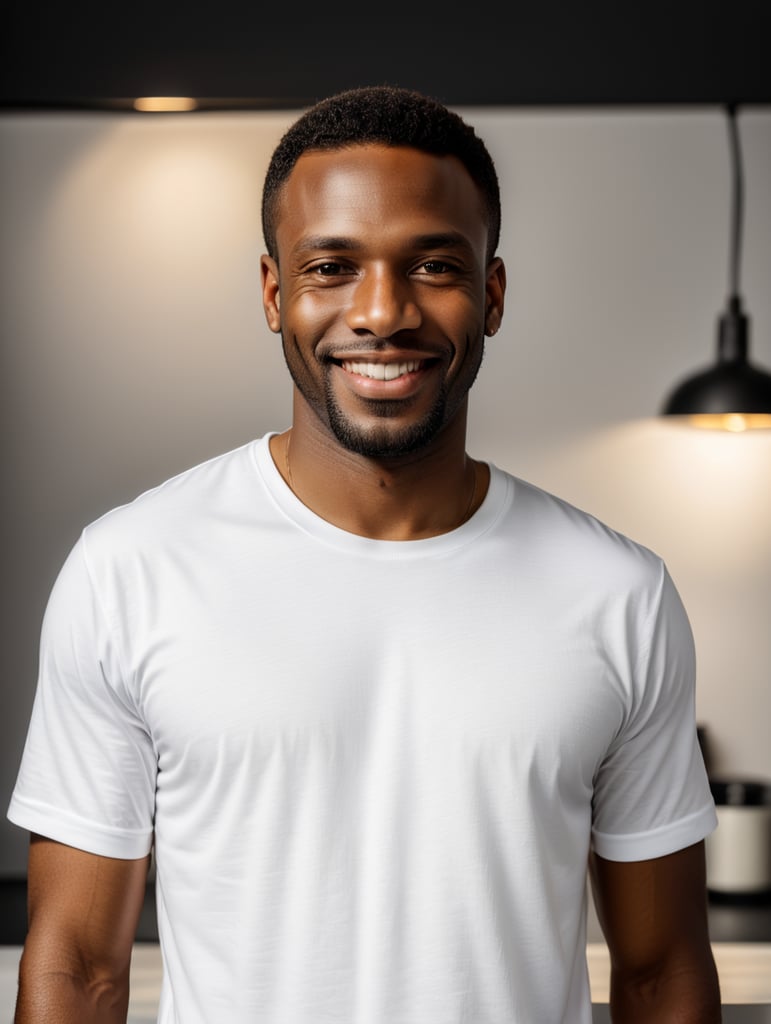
(134, 345)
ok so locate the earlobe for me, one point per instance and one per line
(492, 322)
(271, 299)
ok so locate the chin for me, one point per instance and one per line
(383, 442)
(382, 436)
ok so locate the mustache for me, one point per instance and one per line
(409, 347)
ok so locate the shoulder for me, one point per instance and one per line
(561, 533)
(178, 508)
(575, 561)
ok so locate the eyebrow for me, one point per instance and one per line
(442, 240)
(342, 243)
(335, 243)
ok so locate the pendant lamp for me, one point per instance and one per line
(733, 394)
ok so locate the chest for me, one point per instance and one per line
(426, 666)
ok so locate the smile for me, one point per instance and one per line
(381, 371)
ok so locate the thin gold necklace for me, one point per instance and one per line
(466, 514)
(286, 459)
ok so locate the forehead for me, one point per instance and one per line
(375, 191)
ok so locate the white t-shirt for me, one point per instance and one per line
(372, 770)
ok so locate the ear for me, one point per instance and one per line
(271, 299)
(495, 289)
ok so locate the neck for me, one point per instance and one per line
(410, 497)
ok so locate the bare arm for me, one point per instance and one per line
(654, 917)
(83, 914)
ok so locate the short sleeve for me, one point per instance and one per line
(87, 774)
(652, 794)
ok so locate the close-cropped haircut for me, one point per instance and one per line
(387, 115)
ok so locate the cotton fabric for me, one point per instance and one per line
(372, 771)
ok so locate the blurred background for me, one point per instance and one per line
(134, 343)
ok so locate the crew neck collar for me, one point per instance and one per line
(312, 524)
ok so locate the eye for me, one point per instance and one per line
(327, 269)
(435, 267)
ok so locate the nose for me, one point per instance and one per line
(383, 304)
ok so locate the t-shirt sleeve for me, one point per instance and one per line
(652, 794)
(87, 775)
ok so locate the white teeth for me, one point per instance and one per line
(381, 371)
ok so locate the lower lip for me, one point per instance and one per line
(400, 387)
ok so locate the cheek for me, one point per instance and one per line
(462, 319)
(312, 312)
(458, 306)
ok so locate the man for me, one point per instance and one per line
(375, 704)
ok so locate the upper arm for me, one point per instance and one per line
(83, 910)
(653, 914)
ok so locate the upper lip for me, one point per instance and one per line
(391, 354)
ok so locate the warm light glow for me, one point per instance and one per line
(698, 497)
(165, 103)
(735, 422)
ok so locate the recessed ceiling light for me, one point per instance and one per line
(165, 103)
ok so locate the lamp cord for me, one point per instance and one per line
(737, 213)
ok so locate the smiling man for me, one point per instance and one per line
(382, 293)
(377, 706)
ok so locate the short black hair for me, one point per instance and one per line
(392, 116)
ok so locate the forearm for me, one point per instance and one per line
(687, 996)
(63, 991)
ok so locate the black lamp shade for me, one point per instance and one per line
(733, 394)
(728, 387)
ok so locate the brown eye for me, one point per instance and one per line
(436, 267)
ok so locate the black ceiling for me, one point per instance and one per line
(279, 55)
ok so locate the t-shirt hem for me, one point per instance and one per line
(658, 842)
(51, 822)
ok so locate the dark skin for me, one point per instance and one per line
(653, 914)
(382, 260)
(382, 272)
(83, 912)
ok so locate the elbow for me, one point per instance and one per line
(54, 974)
(682, 994)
